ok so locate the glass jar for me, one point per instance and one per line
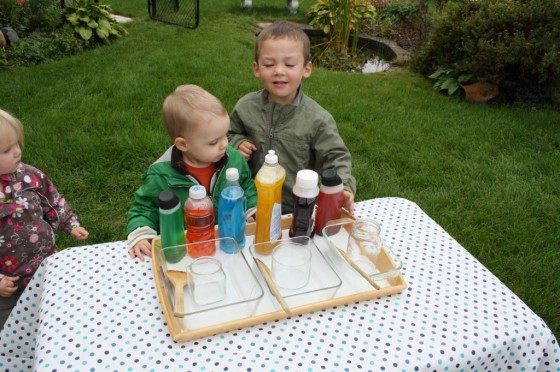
(365, 239)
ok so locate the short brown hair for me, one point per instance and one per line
(7, 121)
(183, 109)
(284, 29)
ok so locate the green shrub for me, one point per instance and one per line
(93, 21)
(404, 21)
(41, 47)
(339, 19)
(48, 33)
(513, 43)
(27, 16)
(398, 12)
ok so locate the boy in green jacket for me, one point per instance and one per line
(282, 118)
(198, 124)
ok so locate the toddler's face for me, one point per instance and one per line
(207, 143)
(10, 153)
(281, 67)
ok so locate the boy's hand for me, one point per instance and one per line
(143, 247)
(348, 203)
(79, 233)
(8, 285)
(246, 148)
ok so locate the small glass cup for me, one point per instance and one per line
(365, 239)
(291, 265)
(207, 280)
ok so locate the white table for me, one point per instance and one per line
(92, 308)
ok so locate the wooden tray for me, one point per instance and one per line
(354, 288)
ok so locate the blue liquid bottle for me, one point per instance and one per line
(231, 212)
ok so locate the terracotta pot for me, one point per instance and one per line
(480, 91)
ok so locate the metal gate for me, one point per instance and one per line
(178, 12)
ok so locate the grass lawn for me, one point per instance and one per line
(488, 175)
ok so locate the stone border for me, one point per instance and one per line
(399, 55)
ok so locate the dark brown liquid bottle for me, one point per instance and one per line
(305, 193)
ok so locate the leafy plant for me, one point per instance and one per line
(40, 47)
(451, 81)
(27, 16)
(513, 43)
(91, 19)
(398, 12)
(339, 19)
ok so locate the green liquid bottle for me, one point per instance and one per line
(171, 226)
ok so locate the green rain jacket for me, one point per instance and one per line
(303, 134)
(169, 172)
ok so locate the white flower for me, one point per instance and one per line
(22, 202)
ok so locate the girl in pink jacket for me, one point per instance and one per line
(30, 209)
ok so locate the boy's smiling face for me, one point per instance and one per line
(281, 67)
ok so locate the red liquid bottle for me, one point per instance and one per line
(331, 197)
(199, 220)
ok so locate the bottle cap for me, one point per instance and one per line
(167, 199)
(329, 177)
(232, 174)
(271, 157)
(197, 192)
(307, 179)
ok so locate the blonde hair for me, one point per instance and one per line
(186, 108)
(9, 122)
(284, 29)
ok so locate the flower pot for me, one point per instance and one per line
(480, 91)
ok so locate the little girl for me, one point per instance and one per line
(30, 208)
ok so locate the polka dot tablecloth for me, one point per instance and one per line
(94, 309)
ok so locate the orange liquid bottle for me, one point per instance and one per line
(269, 181)
(199, 220)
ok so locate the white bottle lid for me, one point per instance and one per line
(232, 174)
(197, 192)
(271, 157)
(307, 179)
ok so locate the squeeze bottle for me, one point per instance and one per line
(269, 182)
(331, 198)
(305, 196)
(171, 226)
(231, 212)
(199, 220)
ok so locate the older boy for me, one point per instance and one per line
(198, 124)
(282, 118)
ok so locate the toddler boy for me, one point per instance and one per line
(198, 124)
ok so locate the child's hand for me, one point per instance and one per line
(348, 203)
(246, 148)
(8, 285)
(143, 247)
(79, 233)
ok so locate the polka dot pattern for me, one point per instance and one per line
(93, 309)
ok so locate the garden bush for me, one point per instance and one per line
(513, 43)
(401, 21)
(47, 32)
(28, 16)
(341, 21)
(40, 47)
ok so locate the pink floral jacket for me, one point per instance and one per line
(30, 208)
